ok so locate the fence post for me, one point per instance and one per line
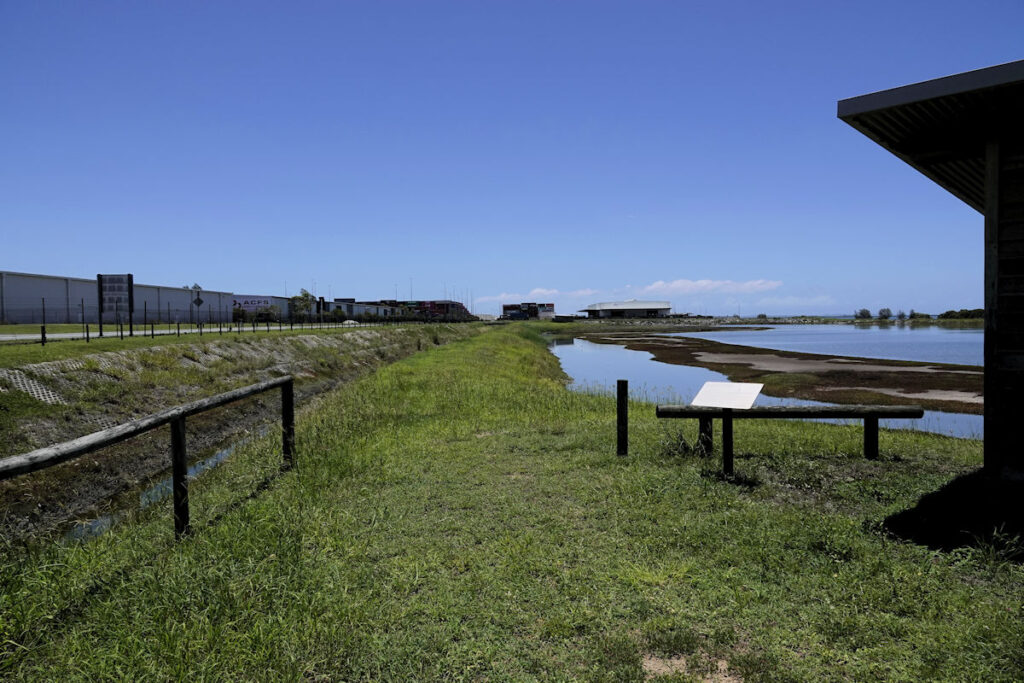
(727, 467)
(622, 412)
(152, 331)
(42, 335)
(87, 332)
(179, 478)
(288, 423)
(705, 438)
(179, 329)
(871, 438)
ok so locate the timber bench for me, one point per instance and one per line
(705, 415)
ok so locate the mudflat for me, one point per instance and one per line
(834, 379)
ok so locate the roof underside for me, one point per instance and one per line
(940, 127)
(631, 305)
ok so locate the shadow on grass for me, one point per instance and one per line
(974, 510)
(745, 481)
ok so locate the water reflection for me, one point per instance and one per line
(594, 368)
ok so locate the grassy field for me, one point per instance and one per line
(460, 515)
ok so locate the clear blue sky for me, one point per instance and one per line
(544, 151)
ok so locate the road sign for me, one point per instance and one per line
(197, 301)
(739, 395)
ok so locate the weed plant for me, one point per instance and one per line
(460, 515)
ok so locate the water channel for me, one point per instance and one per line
(595, 368)
(149, 494)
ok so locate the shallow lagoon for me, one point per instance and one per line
(596, 367)
(928, 343)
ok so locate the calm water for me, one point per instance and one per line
(896, 342)
(596, 367)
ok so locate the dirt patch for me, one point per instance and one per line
(775, 363)
(832, 379)
(931, 395)
(654, 667)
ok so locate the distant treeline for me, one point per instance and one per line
(963, 314)
(886, 313)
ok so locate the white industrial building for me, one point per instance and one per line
(25, 296)
(628, 309)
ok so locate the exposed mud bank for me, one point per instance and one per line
(834, 379)
(110, 388)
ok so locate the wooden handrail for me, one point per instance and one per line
(803, 412)
(705, 415)
(41, 458)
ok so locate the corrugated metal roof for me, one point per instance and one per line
(631, 305)
(940, 127)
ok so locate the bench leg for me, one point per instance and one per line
(727, 444)
(871, 438)
(705, 439)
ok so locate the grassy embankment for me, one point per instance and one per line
(16, 353)
(101, 390)
(461, 515)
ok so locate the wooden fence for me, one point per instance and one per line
(52, 455)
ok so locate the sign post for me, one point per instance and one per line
(729, 396)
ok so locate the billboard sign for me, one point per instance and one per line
(116, 293)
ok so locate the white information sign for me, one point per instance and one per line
(740, 395)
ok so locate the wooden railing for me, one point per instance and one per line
(870, 415)
(52, 455)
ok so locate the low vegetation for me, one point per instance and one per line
(460, 515)
(104, 389)
(21, 352)
(963, 314)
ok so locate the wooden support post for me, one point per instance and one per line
(152, 331)
(705, 436)
(727, 467)
(87, 332)
(179, 329)
(179, 478)
(622, 413)
(871, 438)
(42, 335)
(288, 423)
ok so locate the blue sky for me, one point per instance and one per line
(544, 151)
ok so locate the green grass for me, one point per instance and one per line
(15, 354)
(460, 515)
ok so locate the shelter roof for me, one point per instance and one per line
(941, 127)
(631, 305)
